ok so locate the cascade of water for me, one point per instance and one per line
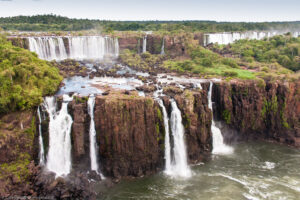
(163, 47)
(144, 44)
(93, 143)
(48, 48)
(167, 138)
(218, 142)
(89, 47)
(179, 166)
(228, 38)
(116, 47)
(41, 144)
(59, 154)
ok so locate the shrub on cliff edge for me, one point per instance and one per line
(24, 78)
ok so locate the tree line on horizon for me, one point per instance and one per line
(59, 23)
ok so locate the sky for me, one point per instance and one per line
(218, 10)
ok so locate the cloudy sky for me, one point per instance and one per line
(219, 10)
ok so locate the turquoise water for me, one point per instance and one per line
(255, 170)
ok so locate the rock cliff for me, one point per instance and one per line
(255, 109)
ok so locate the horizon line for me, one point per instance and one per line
(152, 20)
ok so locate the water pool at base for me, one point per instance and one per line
(256, 170)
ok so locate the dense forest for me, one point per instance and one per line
(24, 78)
(59, 23)
(284, 50)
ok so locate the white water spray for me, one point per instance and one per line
(41, 144)
(167, 138)
(79, 48)
(179, 166)
(218, 142)
(162, 52)
(93, 143)
(230, 37)
(59, 154)
(144, 44)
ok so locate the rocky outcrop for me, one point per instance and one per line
(255, 109)
(134, 43)
(130, 135)
(80, 133)
(196, 118)
(19, 42)
(130, 132)
(17, 152)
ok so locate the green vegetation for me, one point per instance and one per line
(144, 62)
(23, 145)
(80, 100)
(227, 116)
(282, 50)
(59, 23)
(207, 63)
(269, 107)
(24, 78)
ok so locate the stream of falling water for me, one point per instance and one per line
(79, 48)
(41, 144)
(179, 166)
(93, 143)
(167, 138)
(144, 44)
(162, 52)
(59, 154)
(218, 142)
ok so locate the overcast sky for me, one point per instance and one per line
(219, 10)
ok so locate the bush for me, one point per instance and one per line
(24, 78)
(230, 73)
(230, 62)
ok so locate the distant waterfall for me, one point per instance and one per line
(59, 154)
(93, 143)
(168, 168)
(79, 48)
(41, 144)
(144, 44)
(179, 166)
(218, 142)
(162, 52)
(230, 37)
(48, 48)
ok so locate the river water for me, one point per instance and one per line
(256, 170)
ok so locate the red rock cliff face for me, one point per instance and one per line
(271, 111)
(196, 118)
(17, 152)
(129, 136)
(130, 132)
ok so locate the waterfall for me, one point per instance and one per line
(163, 47)
(228, 38)
(179, 166)
(93, 143)
(144, 44)
(48, 48)
(41, 144)
(167, 138)
(218, 142)
(79, 48)
(59, 154)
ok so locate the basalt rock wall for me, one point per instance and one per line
(130, 132)
(254, 109)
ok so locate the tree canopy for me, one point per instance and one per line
(59, 23)
(24, 78)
